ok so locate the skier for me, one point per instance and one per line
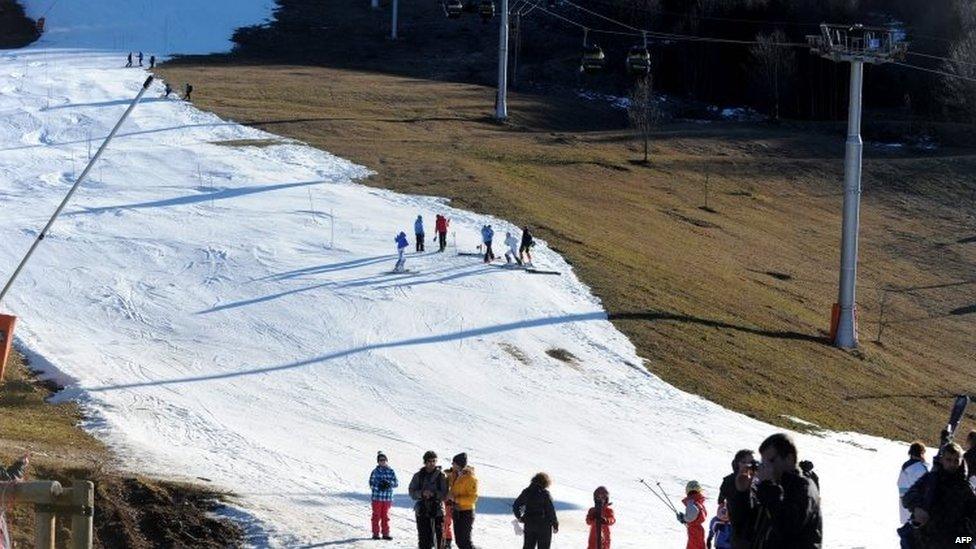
(428, 488)
(188, 89)
(152, 61)
(440, 225)
(512, 253)
(720, 530)
(600, 518)
(911, 471)
(401, 244)
(942, 502)
(140, 59)
(534, 508)
(486, 235)
(694, 515)
(526, 247)
(463, 496)
(382, 481)
(128, 60)
(418, 229)
(168, 90)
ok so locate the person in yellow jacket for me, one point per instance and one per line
(463, 495)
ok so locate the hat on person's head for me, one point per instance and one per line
(380, 456)
(429, 454)
(601, 491)
(693, 486)
(461, 460)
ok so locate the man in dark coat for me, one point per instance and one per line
(942, 503)
(535, 510)
(428, 489)
(782, 510)
(743, 460)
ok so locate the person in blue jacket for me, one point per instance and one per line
(401, 243)
(418, 229)
(486, 235)
(382, 482)
(719, 530)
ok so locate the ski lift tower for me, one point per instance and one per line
(856, 45)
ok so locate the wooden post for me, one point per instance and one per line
(44, 535)
(83, 502)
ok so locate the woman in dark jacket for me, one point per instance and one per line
(534, 508)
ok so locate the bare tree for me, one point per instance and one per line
(958, 94)
(643, 111)
(774, 66)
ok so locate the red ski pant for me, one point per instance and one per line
(448, 521)
(696, 537)
(381, 517)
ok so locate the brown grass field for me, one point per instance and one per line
(731, 302)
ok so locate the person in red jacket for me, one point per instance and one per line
(694, 515)
(600, 518)
(440, 226)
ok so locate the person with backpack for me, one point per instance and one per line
(401, 244)
(526, 246)
(188, 89)
(418, 229)
(167, 90)
(428, 488)
(512, 254)
(694, 515)
(382, 482)
(534, 509)
(487, 234)
(600, 518)
(720, 530)
(911, 471)
(152, 61)
(464, 497)
(128, 60)
(942, 503)
(440, 225)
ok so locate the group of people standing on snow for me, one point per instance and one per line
(519, 250)
(772, 504)
(187, 87)
(938, 506)
(152, 60)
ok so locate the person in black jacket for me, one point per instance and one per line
(782, 510)
(942, 503)
(970, 456)
(525, 249)
(534, 508)
(743, 459)
(428, 489)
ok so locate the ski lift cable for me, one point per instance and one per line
(934, 71)
(580, 25)
(939, 58)
(714, 18)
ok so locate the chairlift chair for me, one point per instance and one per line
(487, 10)
(453, 8)
(639, 61)
(593, 58)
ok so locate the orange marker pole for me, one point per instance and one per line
(7, 323)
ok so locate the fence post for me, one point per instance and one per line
(44, 535)
(83, 500)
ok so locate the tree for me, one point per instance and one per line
(773, 67)
(643, 110)
(958, 94)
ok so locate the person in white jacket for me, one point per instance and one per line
(513, 245)
(911, 471)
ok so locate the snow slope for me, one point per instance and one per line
(227, 312)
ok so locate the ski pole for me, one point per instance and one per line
(666, 496)
(659, 496)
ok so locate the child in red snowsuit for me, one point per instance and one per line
(694, 515)
(601, 500)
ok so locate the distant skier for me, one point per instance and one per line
(382, 481)
(512, 253)
(911, 471)
(600, 518)
(720, 530)
(526, 247)
(187, 90)
(152, 61)
(128, 60)
(486, 236)
(418, 230)
(167, 90)
(440, 225)
(428, 488)
(140, 59)
(694, 515)
(535, 510)
(401, 243)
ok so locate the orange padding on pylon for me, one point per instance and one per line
(7, 323)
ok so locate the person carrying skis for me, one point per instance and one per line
(512, 253)
(535, 510)
(526, 247)
(464, 497)
(418, 230)
(140, 59)
(187, 89)
(600, 518)
(382, 481)
(720, 530)
(487, 234)
(694, 515)
(401, 244)
(440, 225)
(152, 61)
(128, 60)
(942, 503)
(911, 471)
(428, 487)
